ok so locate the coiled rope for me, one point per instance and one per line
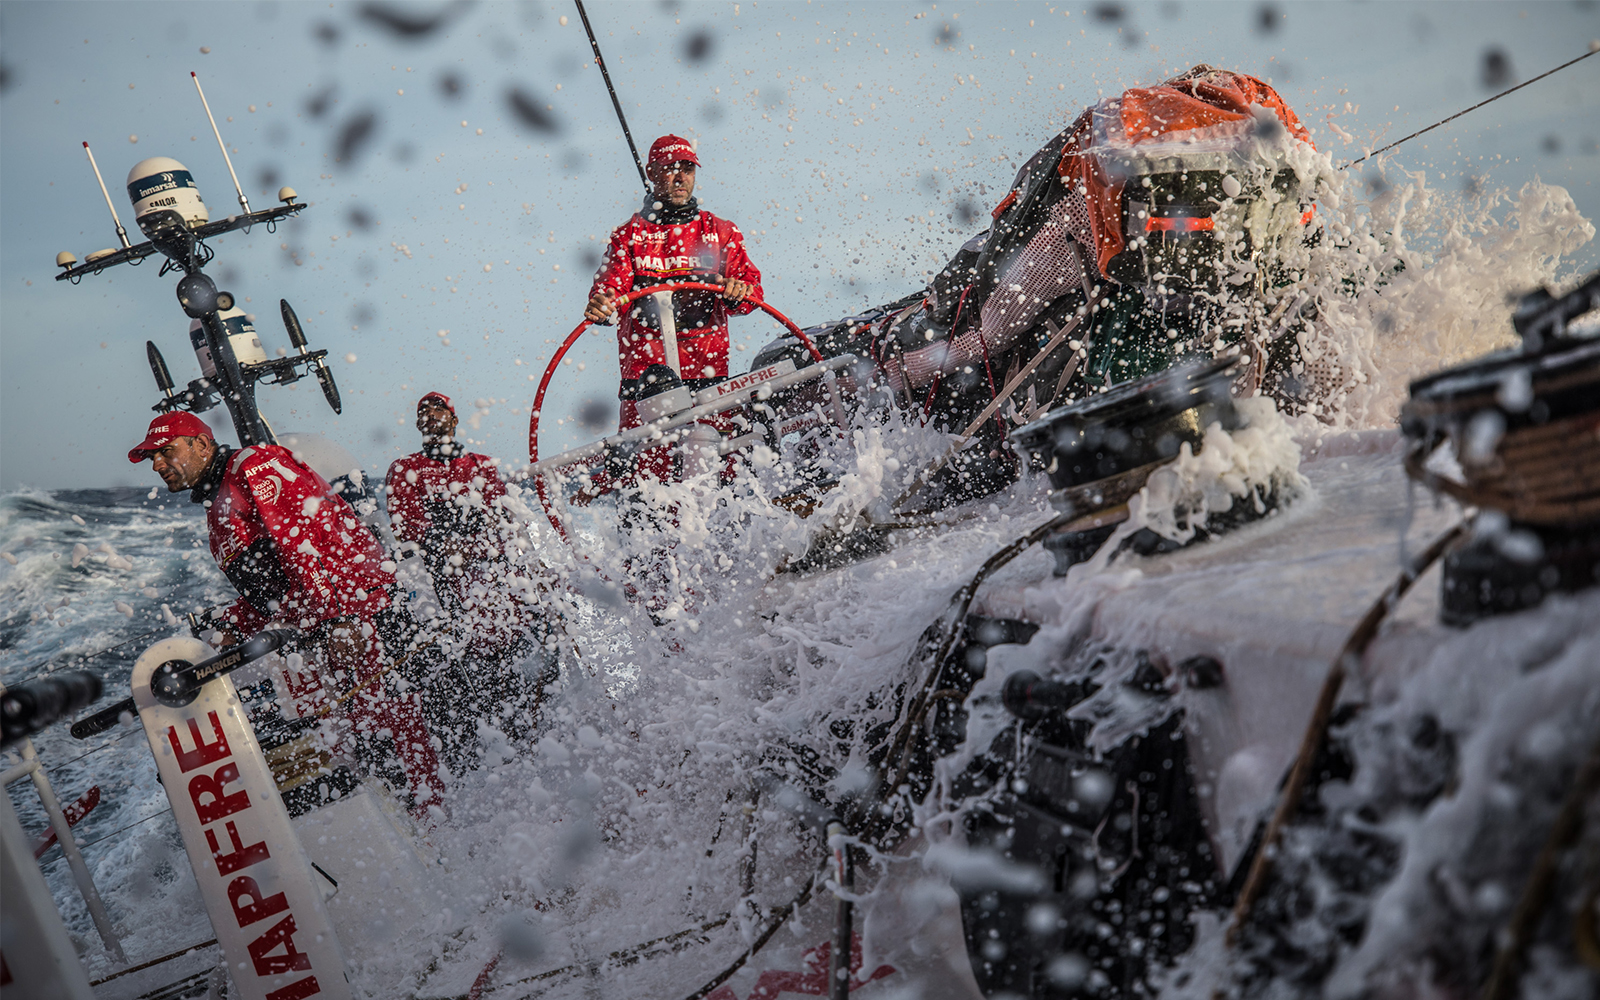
(1545, 474)
(1516, 460)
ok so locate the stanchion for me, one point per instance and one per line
(845, 878)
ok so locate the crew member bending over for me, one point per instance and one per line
(298, 554)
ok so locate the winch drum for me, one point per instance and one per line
(1524, 425)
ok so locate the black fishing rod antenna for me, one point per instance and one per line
(600, 61)
(1593, 49)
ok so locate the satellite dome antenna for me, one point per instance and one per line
(176, 223)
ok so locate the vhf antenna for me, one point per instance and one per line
(122, 234)
(243, 201)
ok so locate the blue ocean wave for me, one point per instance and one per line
(88, 579)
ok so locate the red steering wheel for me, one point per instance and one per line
(572, 338)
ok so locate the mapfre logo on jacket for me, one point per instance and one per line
(673, 265)
(645, 250)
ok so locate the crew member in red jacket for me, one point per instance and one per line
(442, 474)
(450, 503)
(298, 554)
(670, 239)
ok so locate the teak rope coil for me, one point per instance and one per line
(1544, 474)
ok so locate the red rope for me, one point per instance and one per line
(482, 982)
(961, 303)
(927, 404)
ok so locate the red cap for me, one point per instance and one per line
(439, 398)
(671, 149)
(166, 427)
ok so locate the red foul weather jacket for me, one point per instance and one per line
(464, 489)
(425, 477)
(297, 553)
(293, 548)
(644, 253)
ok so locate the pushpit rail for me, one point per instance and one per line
(25, 710)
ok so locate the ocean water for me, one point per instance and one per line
(91, 577)
(618, 824)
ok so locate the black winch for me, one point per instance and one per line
(1524, 426)
(1114, 840)
(1100, 451)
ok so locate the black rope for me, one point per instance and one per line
(132, 731)
(1475, 107)
(675, 942)
(91, 656)
(157, 961)
(779, 918)
(898, 756)
(113, 833)
(600, 61)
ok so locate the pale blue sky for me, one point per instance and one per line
(828, 132)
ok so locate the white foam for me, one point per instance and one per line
(1249, 465)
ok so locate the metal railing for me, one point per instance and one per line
(28, 766)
